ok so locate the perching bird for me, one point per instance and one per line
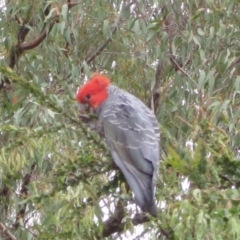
(132, 133)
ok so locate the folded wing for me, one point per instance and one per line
(133, 137)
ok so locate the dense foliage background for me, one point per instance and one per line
(181, 58)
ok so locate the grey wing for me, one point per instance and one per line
(132, 135)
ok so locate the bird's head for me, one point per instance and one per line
(94, 92)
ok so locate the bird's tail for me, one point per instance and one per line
(153, 210)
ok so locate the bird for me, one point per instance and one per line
(131, 131)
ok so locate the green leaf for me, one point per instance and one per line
(200, 32)
(64, 12)
(201, 80)
(106, 29)
(50, 15)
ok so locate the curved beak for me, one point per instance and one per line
(86, 112)
(83, 108)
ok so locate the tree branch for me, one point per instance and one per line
(6, 232)
(30, 45)
(115, 225)
(155, 96)
(43, 34)
(23, 194)
(5, 194)
(17, 50)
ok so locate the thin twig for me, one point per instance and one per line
(182, 70)
(72, 4)
(109, 39)
(95, 54)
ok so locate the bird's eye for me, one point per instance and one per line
(88, 96)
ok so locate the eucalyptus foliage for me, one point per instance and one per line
(182, 58)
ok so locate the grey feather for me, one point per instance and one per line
(132, 133)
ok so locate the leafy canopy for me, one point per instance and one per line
(181, 58)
